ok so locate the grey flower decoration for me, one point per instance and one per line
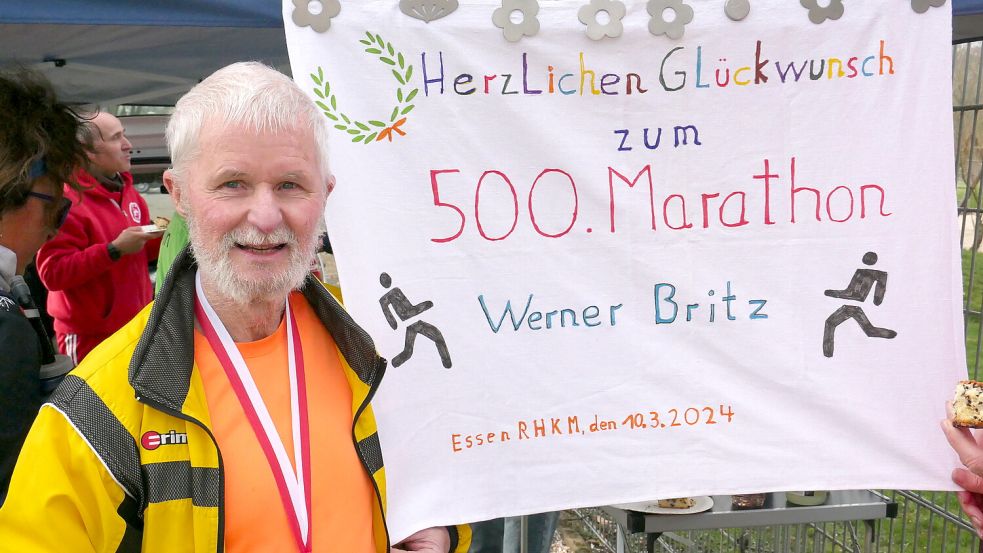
(427, 10)
(529, 26)
(922, 6)
(673, 29)
(597, 30)
(318, 19)
(737, 10)
(818, 14)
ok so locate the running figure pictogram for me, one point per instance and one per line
(399, 303)
(858, 290)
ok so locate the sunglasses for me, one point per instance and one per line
(66, 204)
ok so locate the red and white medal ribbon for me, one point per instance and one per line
(294, 486)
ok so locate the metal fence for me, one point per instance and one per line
(926, 521)
(832, 537)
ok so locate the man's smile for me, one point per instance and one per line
(261, 248)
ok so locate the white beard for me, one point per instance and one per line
(217, 268)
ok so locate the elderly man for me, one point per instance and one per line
(96, 268)
(232, 415)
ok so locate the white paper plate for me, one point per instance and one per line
(703, 503)
(151, 229)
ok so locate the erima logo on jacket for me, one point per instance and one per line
(152, 440)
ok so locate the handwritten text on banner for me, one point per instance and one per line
(643, 267)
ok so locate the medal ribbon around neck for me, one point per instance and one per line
(294, 490)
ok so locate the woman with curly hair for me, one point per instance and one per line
(38, 152)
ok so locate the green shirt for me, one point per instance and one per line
(174, 240)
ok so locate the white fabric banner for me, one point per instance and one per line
(643, 266)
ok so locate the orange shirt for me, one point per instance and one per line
(342, 498)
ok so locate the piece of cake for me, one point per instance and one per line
(967, 405)
(162, 222)
(748, 501)
(677, 503)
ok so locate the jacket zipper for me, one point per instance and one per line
(221, 468)
(358, 413)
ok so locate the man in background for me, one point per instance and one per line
(96, 268)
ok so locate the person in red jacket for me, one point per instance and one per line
(96, 268)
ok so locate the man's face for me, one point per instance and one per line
(111, 152)
(253, 201)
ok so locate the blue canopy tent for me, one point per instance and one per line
(137, 51)
(114, 52)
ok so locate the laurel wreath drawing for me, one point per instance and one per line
(371, 130)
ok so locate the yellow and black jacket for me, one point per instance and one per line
(87, 480)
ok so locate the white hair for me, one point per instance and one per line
(249, 94)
